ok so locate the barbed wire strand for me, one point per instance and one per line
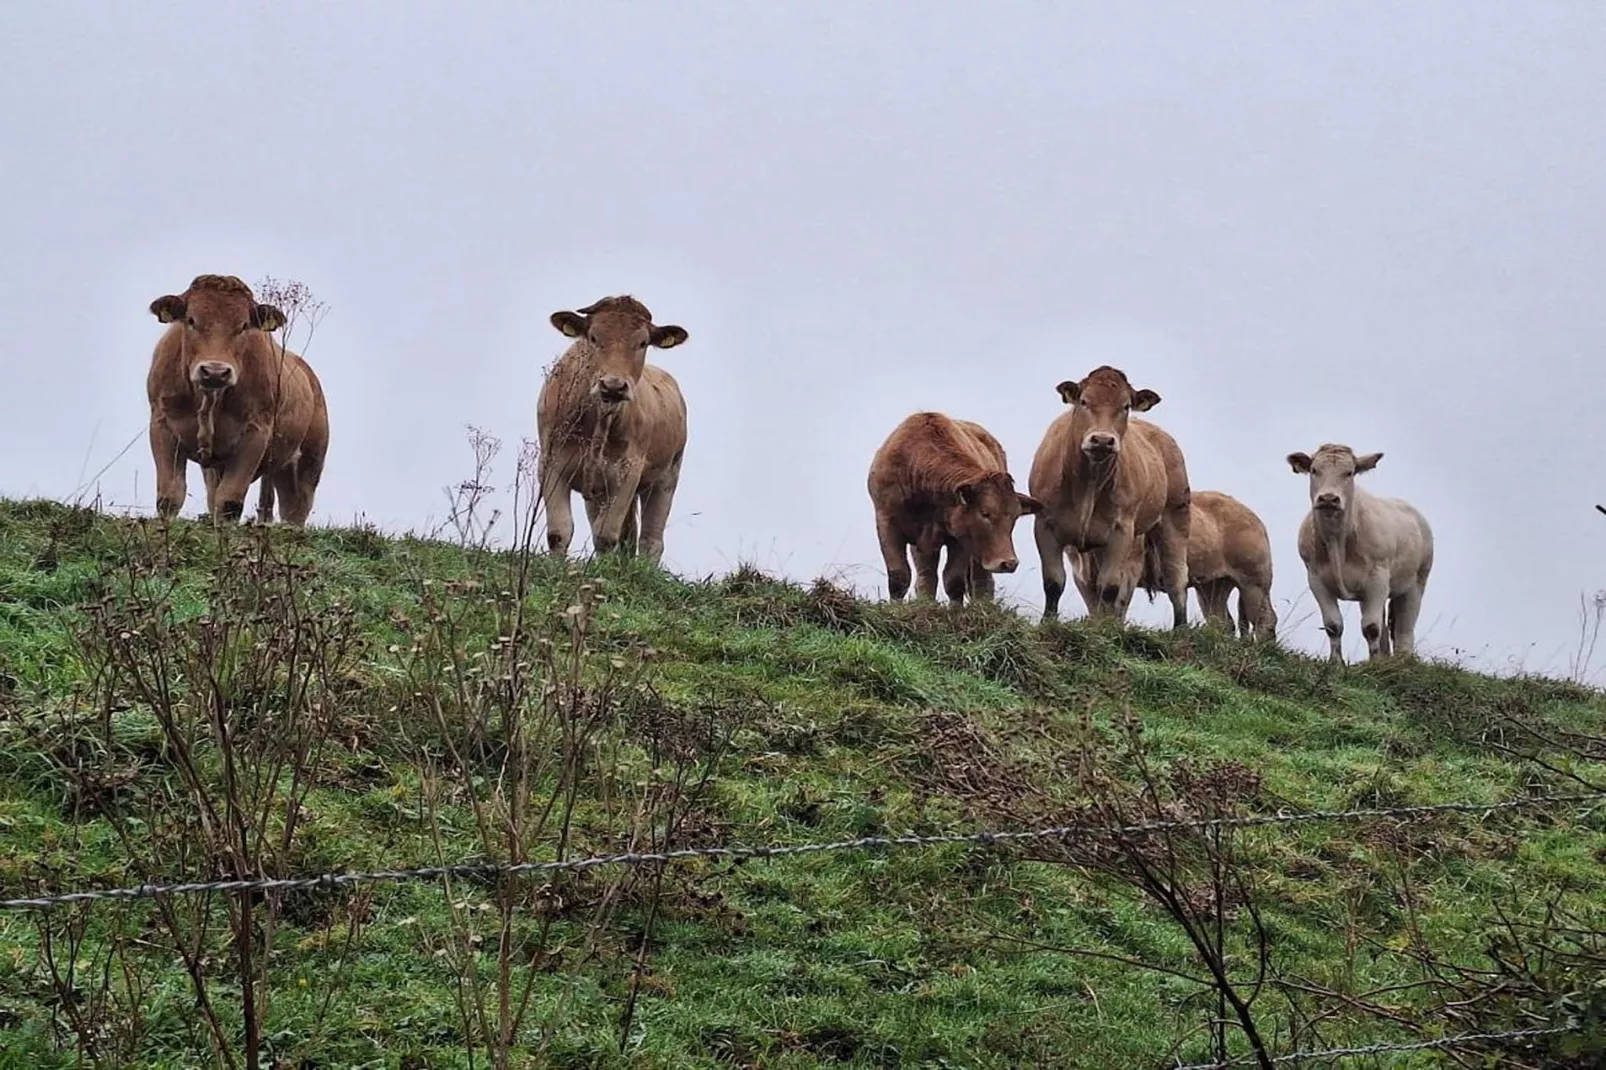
(641, 858)
(1460, 1041)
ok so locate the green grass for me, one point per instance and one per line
(846, 718)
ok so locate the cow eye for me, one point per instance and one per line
(189, 321)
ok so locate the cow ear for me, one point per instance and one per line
(668, 336)
(1367, 463)
(267, 318)
(1069, 392)
(168, 308)
(1144, 400)
(1029, 504)
(1299, 462)
(570, 324)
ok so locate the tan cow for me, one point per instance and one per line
(1359, 547)
(224, 395)
(612, 427)
(938, 483)
(1228, 550)
(1106, 479)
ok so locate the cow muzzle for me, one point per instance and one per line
(1004, 564)
(213, 375)
(1101, 445)
(1329, 503)
(612, 390)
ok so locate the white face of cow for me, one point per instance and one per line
(1332, 474)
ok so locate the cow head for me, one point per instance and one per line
(1103, 401)
(982, 518)
(619, 329)
(216, 312)
(1332, 474)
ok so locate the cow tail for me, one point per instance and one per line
(1151, 565)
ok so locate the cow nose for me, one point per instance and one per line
(613, 386)
(1099, 442)
(1008, 564)
(1326, 499)
(211, 371)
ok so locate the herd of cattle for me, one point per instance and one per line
(1109, 491)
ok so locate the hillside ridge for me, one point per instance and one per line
(356, 701)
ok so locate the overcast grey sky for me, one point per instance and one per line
(1378, 224)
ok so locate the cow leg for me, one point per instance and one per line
(211, 477)
(1374, 603)
(1114, 589)
(1084, 574)
(895, 552)
(237, 477)
(1404, 608)
(956, 576)
(926, 558)
(982, 583)
(171, 483)
(297, 484)
(1213, 597)
(608, 524)
(556, 499)
(630, 530)
(1051, 558)
(1254, 610)
(1332, 616)
(1170, 539)
(655, 503)
(265, 498)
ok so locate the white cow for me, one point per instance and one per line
(1358, 547)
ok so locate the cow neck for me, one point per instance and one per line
(1336, 534)
(602, 425)
(206, 426)
(1092, 480)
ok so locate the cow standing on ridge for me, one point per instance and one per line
(224, 395)
(1106, 480)
(1358, 547)
(1228, 550)
(612, 427)
(938, 483)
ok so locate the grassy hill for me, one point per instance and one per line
(178, 704)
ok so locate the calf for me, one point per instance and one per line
(1359, 547)
(224, 395)
(1106, 480)
(938, 483)
(612, 427)
(1228, 550)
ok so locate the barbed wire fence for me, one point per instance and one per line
(487, 870)
(985, 838)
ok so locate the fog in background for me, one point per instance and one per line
(1383, 225)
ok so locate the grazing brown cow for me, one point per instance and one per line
(1106, 479)
(224, 395)
(1360, 547)
(612, 427)
(937, 483)
(1228, 550)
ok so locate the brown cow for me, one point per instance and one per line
(937, 482)
(612, 427)
(1106, 479)
(1228, 550)
(224, 395)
